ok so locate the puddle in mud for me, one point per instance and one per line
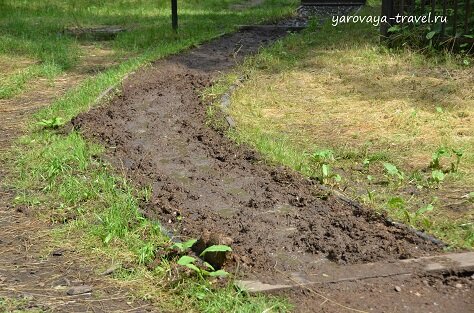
(165, 161)
(240, 193)
(182, 178)
(281, 209)
(226, 212)
(228, 180)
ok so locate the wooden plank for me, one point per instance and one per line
(333, 273)
(447, 263)
(256, 286)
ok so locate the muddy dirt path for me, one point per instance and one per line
(202, 182)
(30, 276)
(205, 186)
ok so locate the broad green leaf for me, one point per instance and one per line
(209, 266)
(219, 273)
(427, 208)
(391, 169)
(179, 246)
(188, 244)
(322, 155)
(183, 246)
(437, 175)
(193, 267)
(325, 169)
(186, 260)
(396, 203)
(216, 248)
(108, 238)
(430, 34)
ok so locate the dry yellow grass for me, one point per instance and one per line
(390, 104)
(12, 64)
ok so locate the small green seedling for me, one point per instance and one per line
(436, 157)
(327, 175)
(411, 218)
(322, 158)
(421, 211)
(52, 123)
(371, 195)
(392, 170)
(444, 152)
(146, 253)
(184, 246)
(189, 262)
(455, 165)
(437, 176)
(396, 203)
(366, 163)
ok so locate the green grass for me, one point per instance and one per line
(62, 176)
(35, 29)
(338, 89)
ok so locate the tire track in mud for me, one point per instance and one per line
(206, 186)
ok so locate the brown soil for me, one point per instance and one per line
(419, 294)
(205, 185)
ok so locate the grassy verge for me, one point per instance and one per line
(62, 177)
(390, 128)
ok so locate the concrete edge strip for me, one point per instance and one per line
(448, 263)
